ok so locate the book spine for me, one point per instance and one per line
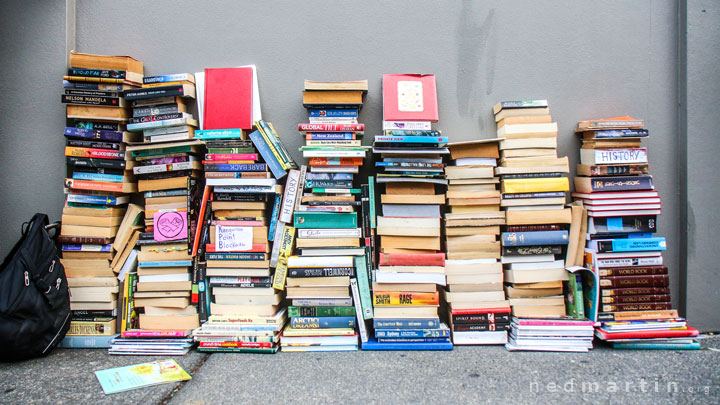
(154, 334)
(622, 292)
(158, 117)
(290, 195)
(110, 178)
(358, 310)
(157, 124)
(92, 199)
(336, 190)
(286, 247)
(630, 261)
(91, 100)
(304, 219)
(267, 154)
(220, 134)
(93, 185)
(411, 139)
(361, 263)
(340, 112)
(549, 194)
(243, 285)
(620, 156)
(281, 147)
(335, 161)
(636, 299)
(618, 170)
(655, 306)
(661, 280)
(619, 133)
(94, 153)
(328, 183)
(322, 272)
(405, 298)
(320, 311)
(490, 327)
(234, 167)
(154, 92)
(231, 156)
(92, 144)
(357, 128)
(93, 86)
(413, 333)
(407, 125)
(409, 132)
(535, 238)
(322, 322)
(657, 346)
(159, 110)
(632, 245)
(406, 323)
(489, 317)
(321, 302)
(626, 183)
(179, 77)
(275, 215)
(267, 137)
(110, 136)
(329, 136)
(82, 239)
(633, 271)
(110, 73)
(531, 250)
(92, 328)
(92, 93)
(235, 344)
(412, 259)
(93, 79)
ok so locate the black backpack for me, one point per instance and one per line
(34, 295)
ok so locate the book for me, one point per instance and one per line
(409, 98)
(228, 98)
(127, 378)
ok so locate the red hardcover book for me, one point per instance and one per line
(357, 128)
(228, 98)
(650, 334)
(409, 98)
(412, 259)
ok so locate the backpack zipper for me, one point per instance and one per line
(58, 332)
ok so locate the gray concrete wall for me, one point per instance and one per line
(702, 97)
(589, 59)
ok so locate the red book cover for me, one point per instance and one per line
(412, 259)
(650, 334)
(228, 98)
(409, 98)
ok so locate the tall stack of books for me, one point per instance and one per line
(99, 181)
(477, 310)
(615, 186)
(169, 173)
(533, 183)
(246, 313)
(323, 312)
(412, 263)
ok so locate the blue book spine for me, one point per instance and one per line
(638, 244)
(535, 238)
(87, 342)
(111, 136)
(412, 333)
(340, 112)
(77, 247)
(331, 136)
(169, 263)
(620, 133)
(219, 133)
(91, 199)
(406, 323)
(411, 139)
(328, 176)
(111, 178)
(165, 193)
(274, 216)
(657, 346)
(235, 167)
(325, 322)
(414, 340)
(166, 78)
(269, 157)
(373, 344)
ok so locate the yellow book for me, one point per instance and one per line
(536, 185)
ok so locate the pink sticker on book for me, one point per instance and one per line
(170, 225)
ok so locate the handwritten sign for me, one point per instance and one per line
(233, 238)
(170, 225)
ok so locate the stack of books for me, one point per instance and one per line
(238, 333)
(622, 204)
(477, 310)
(533, 183)
(329, 228)
(241, 192)
(152, 343)
(412, 263)
(99, 181)
(169, 174)
(554, 335)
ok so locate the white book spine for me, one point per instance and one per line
(289, 196)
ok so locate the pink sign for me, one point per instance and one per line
(170, 225)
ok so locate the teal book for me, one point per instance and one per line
(657, 346)
(364, 287)
(307, 219)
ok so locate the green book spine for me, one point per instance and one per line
(157, 151)
(335, 190)
(271, 145)
(573, 296)
(304, 219)
(363, 286)
(320, 311)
